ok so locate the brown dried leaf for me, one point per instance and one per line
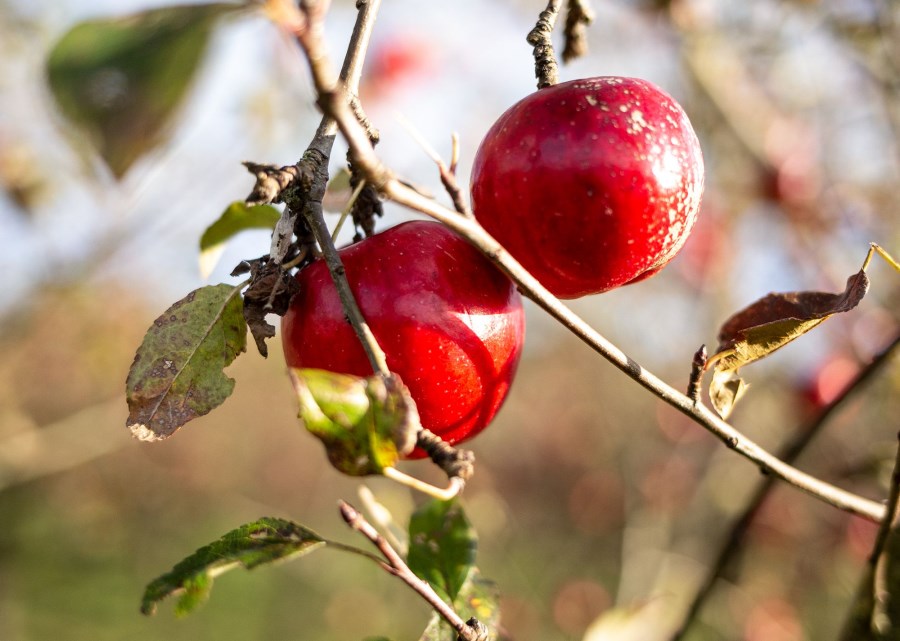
(725, 390)
(270, 292)
(769, 324)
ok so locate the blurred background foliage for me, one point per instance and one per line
(590, 495)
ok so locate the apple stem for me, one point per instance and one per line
(373, 351)
(546, 69)
(578, 16)
(453, 489)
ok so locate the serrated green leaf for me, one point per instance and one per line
(177, 372)
(238, 217)
(442, 546)
(768, 325)
(120, 80)
(366, 424)
(262, 542)
(478, 598)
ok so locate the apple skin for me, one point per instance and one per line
(590, 184)
(450, 323)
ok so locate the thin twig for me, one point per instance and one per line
(789, 453)
(333, 101)
(336, 268)
(447, 174)
(395, 564)
(272, 183)
(545, 68)
(531, 288)
(307, 22)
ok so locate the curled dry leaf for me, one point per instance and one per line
(177, 372)
(270, 292)
(768, 324)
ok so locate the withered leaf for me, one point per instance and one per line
(769, 324)
(177, 372)
(270, 292)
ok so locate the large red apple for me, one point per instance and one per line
(590, 184)
(451, 324)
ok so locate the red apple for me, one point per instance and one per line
(450, 323)
(590, 184)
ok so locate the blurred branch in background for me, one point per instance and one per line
(875, 614)
(732, 543)
(84, 435)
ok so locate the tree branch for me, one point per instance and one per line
(332, 100)
(529, 286)
(302, 186)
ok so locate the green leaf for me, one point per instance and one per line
(238, 217)
(259, 543)
(120, 80)
(177, 372)
(478, 598)
(767, 325)
(366, 424)
(442, 546)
